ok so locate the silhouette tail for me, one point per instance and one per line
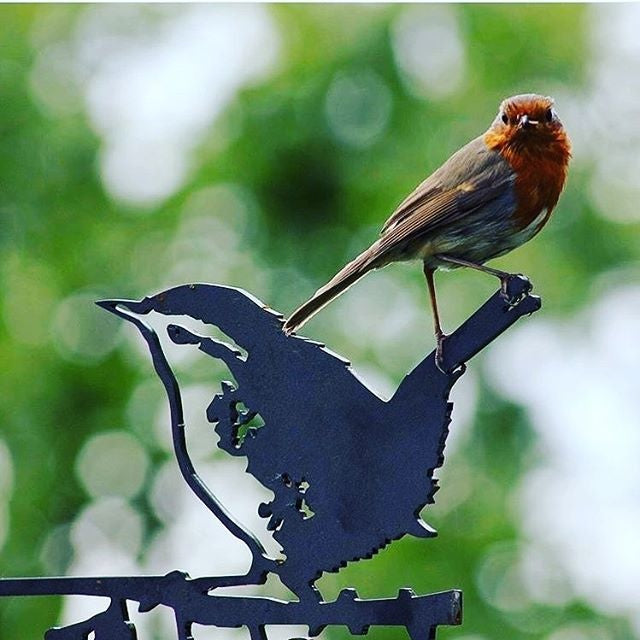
(349, 274)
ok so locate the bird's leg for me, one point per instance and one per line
(440, 336)
(503, 276)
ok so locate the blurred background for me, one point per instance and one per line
(263, 146)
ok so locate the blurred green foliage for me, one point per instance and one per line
(314, 201)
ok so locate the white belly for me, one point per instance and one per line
(524, 235)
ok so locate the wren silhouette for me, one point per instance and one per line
(350, 471)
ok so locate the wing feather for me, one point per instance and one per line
(473, 177)
(422, 193)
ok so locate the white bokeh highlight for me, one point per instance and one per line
(602, 118)
(429, 50)
(152, 87)
(358, 107)
(579, 505)
(82, 331)
(112, 463)
(6, 489)
(106, 538)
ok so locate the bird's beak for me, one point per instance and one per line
(124, 308)
(111, 305)
(524, 122)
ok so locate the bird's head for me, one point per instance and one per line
(235, 312)
(528, 121)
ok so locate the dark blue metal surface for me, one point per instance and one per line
(349, 471)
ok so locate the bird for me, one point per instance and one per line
(491, 196)
(349, 471)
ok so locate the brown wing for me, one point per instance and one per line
(422, 193)
(473, 177)
(456, 170)
(424, 217)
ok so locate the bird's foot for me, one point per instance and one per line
(514, 287)
(440, 340)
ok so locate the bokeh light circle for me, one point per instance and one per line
(113, 463)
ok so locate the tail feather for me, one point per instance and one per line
(349, 274)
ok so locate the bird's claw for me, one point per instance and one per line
(514, 287)
(440, 339)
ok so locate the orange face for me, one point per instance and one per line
(527, 117)
(530, 137)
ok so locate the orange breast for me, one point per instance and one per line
(541, 171)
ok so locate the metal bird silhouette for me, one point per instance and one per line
(349, 471)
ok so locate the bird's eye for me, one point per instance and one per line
(549, 115)
(505, 119)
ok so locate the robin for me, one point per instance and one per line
(488, 198)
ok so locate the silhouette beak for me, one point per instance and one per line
(125, 308)
(110, 305)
